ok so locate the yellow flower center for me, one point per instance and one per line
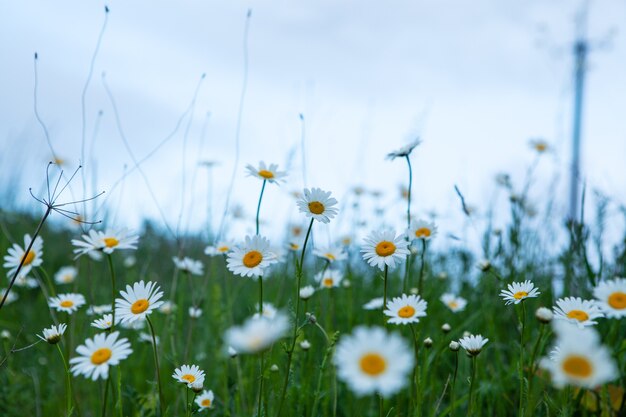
(577, 366)
(406, 312)
(223, 249)
(189, 378)
(140, 306)
(328, 282)
(617, 300)
(100, 356)
(67, 278)
(252, 258)
(540, 147)
(330, 256)
(520, 294)
(316, 207)
(29, 257)
(268, 175)
(294, 246)
(206, 402)
(111, 242)
(453, 304)
(373, 364)
(67, 303)
(385, 248)
(296, 231)
(422, 232)
(578, 315)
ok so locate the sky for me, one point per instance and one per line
(474, 80)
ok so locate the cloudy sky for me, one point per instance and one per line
(475, 80)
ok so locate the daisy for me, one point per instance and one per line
(106, 242)
(53, 334)
(453, 302)
(194, 312)
(307, 292)
(371, 360)
(421, 229)
(138, 301)
(266, 173)
(251, 258)
(269, 311)
(10, 298)
(258, 334)
(99, 310)
(473, 344)
(577, 311)
(404, 151)
(25, 282)
(103, 323)
(539, 145)
(67, 302)
(611, 296)
(318, 204)
(220, 248)
(331, 254)
(17, 253)
(132, 325)
(205, 400)
(382, 248)
(189, 265)
(374, 304)
(406, 309)
(188, 374)
(167, 307)
(147, 338)
(66, 275)
(97, 354)
(519, 291)
(329, 278)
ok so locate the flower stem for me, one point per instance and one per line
(187, 403)
(156, 365)
(421, 277)
(385, 289)
(106, 395)
(521, 361)
(258, 411)
(532, 370)
(110, 262)
(471, 392)
(407, 271)
(258, 207)
(68, 382)
(456, 368)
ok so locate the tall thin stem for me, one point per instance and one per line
(421, 277)
(407, 270)
(521, 361)
(258, 207)
(258, 410)
(156, 365)
(532, 367)
(471, 392)
(112, 270)
(385, 287)
(68, 382)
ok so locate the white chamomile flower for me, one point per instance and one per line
(147, 338)
(539, 145)
(577, 311)
(68, 303)
(251, 258)
(66, 275)
(131, 325)
(453, 302)
(220, 248)
(167, 307)
(25, 282)
(17, 253)
(99, 309)
(374, 304)
(404, 151)
(266, 173)
(421, 229)
(331, 254)
(406, 309)
(382, 248)
(195, 312)
(188, 265)
(205, 400)
(318, 204)
(53, 334)
(269, 311)
(188, 374)
(107, 242)
(258, 334)
(519, 291)
(103, 323)
(370, 360)
(329, 278)
(611, 296)
(138, 301)
(98, 354)
(307, 292)
(12, 296)
(473, 344)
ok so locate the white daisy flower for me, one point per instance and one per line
(189, 265)
(405, 150)
(406, 309)
(131, 325)
(611, 296)
(189, 374)
(69, 302)
(97, 354)
(205, 400)
(147, 338)
(519, 291)
(25, 282)
(544, 315)
(66, 275)
(130, 261)
(473, 344)
(53, 334)
(374, 304)
(107, 242)
(10, 298)
(195, 312)
(267, 173)
(138, 301)
(103, 323)
(307, 292)
(331, 254)
(371, 360)
(318, 204)
(453, 302)
(422, 229)
(269, 311)
(382, 248)
(251, 258)
(31, 259)
(167, 307)
(256, 335)
(329, 278)
(99, 310)
(220, 248)
(577, 311)
(539, 145)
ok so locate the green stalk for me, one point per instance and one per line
(521, 361)
(156, 365)
(110, 262)
(533, 368)
(385, 290)
(258, 207)
(421, 276)
(471, 392)
(68, 382)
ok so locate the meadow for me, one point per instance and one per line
(377, 324)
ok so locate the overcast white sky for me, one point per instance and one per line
(474, 79)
